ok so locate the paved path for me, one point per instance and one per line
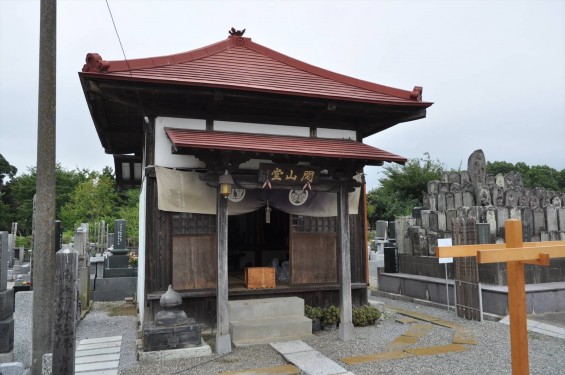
(307, 359)
(539, 327)
(99, 356)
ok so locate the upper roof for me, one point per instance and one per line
(239, 63)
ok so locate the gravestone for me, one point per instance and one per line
(432, 202)
(425, 217)
(441, 202)
(551, 222)
(527, 224)
(380, 229)
(117, 265)
(556, 201)
(444, 177)
(454, 177)
(497, 196)
(561, 218)
(119, 237)
(518, 181)
(499, 180)
(490, 219)
(512, 197)
(81, 248)
(432, 242)
(538, 220)
(534, 201)
(458, 199)
(441, 221)
(6, 300)
(468, 199)
(404, 243)
(449, 216)
(23, 317)
(434, 220)
(419, 241)
(110, 238)
(433, 187)
(476, 168)
(466, 183)
(64, 335)
(482, 197)
(490, 181)
(449, 201)
(501, 217)
(509, 180)
(515, 213)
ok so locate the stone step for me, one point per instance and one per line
(260, 331)
(252, 309)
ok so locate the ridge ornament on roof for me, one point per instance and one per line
(234, 32)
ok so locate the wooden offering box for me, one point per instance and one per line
(259, 277)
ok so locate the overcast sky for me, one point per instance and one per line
(494, 69)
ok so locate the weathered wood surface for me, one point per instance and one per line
(516, 281)
(194, 262)
(346, 331)
(313, 258)
(223, 341)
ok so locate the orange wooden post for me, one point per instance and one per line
(517, 302)
(515, 253)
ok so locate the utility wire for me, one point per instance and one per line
(127, 63)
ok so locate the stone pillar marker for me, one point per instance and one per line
(44, 218)
(64, 339)
(120, 235)
(6, 300)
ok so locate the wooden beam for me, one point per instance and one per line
(519, 254)
(471, 250)
(542, 261)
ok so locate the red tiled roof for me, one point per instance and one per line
(239, 63)
(275, 144)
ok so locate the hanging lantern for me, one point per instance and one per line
(226, 183)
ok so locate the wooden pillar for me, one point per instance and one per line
(517, 302)
(346, 331)
(64, 335)
(223, 339)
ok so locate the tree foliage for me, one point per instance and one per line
(402, 188)
(532, 176)
(82, 196)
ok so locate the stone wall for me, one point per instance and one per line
(489, 199)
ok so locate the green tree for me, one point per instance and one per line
(402, 188)
(91, 201)
(532, 176)
(6, 171)
(21, 190)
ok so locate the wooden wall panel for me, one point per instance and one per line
(194, 262)
(313, 258)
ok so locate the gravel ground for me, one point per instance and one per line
(490, 356)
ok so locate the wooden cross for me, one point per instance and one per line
(515, 253)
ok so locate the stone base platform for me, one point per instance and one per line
(163, 355)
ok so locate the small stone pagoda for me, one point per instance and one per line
(172, 328)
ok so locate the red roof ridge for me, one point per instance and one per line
(95, 64)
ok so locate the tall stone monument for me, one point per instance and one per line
(117, 264)
(6, 300)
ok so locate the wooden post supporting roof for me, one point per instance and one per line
(346, 331)
(223, 339)
(515, 253)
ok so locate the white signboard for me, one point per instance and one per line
(445, 242)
